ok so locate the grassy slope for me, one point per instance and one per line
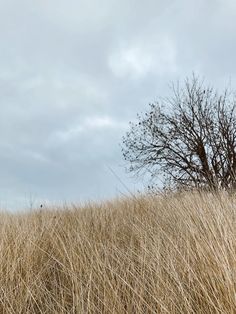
(174, 254)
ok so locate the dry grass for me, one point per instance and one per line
(174, 254)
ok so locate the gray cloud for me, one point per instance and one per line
(73, 73)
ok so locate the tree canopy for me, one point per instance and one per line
(189, 139)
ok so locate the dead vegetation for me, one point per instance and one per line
(167, 254)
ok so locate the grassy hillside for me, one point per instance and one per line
(173, 254)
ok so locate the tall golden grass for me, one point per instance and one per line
(166, 254)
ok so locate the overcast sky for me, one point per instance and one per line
(73, 74)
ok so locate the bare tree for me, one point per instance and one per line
(189, 138)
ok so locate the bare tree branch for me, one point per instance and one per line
(190, 138)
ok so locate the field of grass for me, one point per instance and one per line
(166, 254)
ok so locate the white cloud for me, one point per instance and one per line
(85, 126)
(130, 62)
(78, 16)
(137, 60)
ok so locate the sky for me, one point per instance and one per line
(73, 73)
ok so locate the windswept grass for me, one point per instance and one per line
(172, 254)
